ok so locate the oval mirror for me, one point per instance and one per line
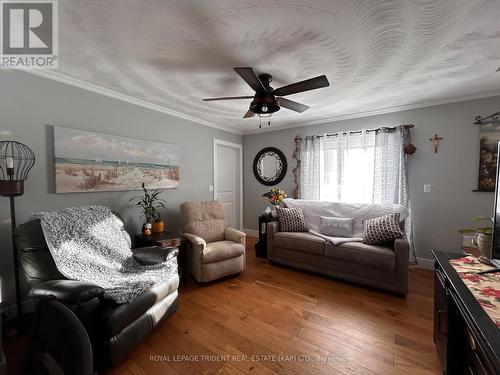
(269, 166)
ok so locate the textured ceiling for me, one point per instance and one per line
(377, 54)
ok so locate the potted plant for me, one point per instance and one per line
(149, 202)
(275, 196)
(481, 234)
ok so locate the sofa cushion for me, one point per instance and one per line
(382, 229)
(336, 226)
(220, 250)
(358, 252)
(116, 317)
(300, 241)
(292, 220)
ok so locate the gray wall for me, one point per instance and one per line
(29, 105)
(452, 171)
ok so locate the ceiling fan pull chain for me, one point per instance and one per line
(269, 122)
(260, 122)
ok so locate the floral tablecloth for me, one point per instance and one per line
(485, 287)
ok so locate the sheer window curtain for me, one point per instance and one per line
(361, 167)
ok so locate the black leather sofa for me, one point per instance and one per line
(114, 330)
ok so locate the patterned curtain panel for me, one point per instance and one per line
(309, 179)
(357, 167)
(390, 182)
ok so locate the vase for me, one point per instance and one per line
(274, 212)
(484, 244)
(158, 226)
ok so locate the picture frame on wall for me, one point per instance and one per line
(489, 136)
(88, 161)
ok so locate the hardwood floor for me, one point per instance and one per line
(318, 325)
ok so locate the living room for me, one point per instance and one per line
(368, 128)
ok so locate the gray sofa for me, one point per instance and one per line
(375, 266)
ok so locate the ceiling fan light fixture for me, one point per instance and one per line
(264, 115)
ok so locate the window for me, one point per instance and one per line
(347, 169)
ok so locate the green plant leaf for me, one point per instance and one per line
(467, 230)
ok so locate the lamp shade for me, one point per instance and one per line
(16, 160)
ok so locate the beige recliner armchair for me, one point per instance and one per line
(215, 250)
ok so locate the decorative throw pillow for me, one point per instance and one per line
(291, 220)
(382, 229)
(336, 226)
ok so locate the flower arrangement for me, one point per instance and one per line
(275, 196)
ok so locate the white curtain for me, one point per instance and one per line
(358, 167)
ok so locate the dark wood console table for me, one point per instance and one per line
(164, 240)
(467, 340)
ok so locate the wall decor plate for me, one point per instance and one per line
(87, 161)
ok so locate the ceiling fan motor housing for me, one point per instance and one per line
(264, 103)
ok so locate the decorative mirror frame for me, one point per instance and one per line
(256, 168)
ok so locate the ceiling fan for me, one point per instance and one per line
(267, 100)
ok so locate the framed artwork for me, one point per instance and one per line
(87, 161)
(489, 136)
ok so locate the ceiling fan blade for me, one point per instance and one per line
(308, 84)
(249, 114)
(251, 78)
(294, 106)
(228, 98)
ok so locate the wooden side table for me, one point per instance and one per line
(164, 240)
(261, 246)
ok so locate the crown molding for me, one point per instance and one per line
(430, 103)
(75, 82)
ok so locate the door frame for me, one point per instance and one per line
(239, 147)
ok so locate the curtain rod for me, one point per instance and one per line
(492, 117)
(409, 126)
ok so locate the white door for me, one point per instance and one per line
(228, 179)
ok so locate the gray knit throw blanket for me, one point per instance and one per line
(89, 245)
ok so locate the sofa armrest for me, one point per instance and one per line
(153, 255)
(67, 291)
(402, 253)
(231, 234)
(271, 228)
(402, 249)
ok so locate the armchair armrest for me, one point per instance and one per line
(196, 245)
(153, 255)
(195, 240)
(231, 234)
(67, 291)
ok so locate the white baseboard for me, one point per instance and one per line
(251, 232)
(428, 264)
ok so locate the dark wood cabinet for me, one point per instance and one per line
(261, 245)
(164, 240)
(466, 338)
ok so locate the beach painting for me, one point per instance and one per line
(489, 137)
(87, 161)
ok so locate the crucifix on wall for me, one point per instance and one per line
(435, 142)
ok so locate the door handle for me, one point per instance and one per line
(439, 314)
